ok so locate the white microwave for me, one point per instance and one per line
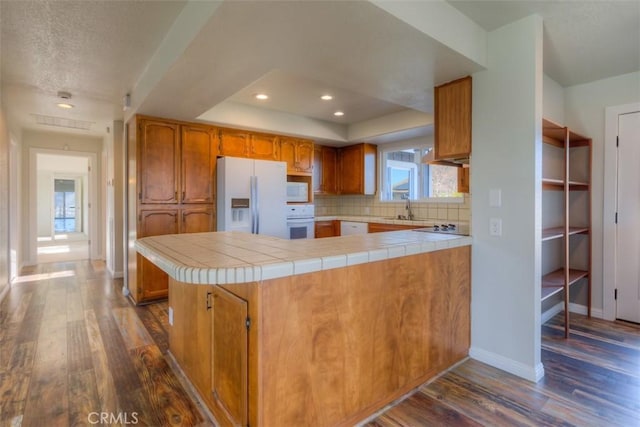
(297, 191)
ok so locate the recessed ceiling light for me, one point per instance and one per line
(326, 97)
(262, 96)
(338, 113)
(65, 105)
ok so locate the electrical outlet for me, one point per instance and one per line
(495, 226)
(171, 316)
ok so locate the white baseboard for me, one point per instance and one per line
(115, 274)
(527, 372)
(573, 308)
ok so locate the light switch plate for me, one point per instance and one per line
(495, 227)
(171, 316)
(495, 197)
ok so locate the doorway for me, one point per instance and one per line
(622, 225)
(62, 219)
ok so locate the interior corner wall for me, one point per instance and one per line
(585, 106)
(507, 154)
(553, 101)
(4, 205)
(45, 202)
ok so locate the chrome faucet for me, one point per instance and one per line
(407, 207)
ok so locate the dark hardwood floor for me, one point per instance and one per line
(72, 347)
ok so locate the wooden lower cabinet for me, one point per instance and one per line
(190, 334)
(327, 228)
(229, 349)
(319, 353)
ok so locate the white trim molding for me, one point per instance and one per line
(609, 208)
(527, 372)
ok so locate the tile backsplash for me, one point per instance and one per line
(372, 206)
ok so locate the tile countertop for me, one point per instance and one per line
(235, 257)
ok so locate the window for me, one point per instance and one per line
(404, 176)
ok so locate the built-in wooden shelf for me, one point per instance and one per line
(558, 185)
(558, 232)
(556, 282)
(553, 282)
(556, 278)
(554, 134)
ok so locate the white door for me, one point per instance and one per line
(628, 226)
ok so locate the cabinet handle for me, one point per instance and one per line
(208, 300)
(175, 195)
(183, 194)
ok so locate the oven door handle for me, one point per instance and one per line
(299, 220)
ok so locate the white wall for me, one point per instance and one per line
(585, 113)
(553, 101)
(15, 213)
(64, 143)
(114, 148)
(45, 202)
(507, 150)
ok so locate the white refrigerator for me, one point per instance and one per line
(252, 196)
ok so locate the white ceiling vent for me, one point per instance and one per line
(62, 122)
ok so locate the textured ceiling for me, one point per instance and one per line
(584, 40)
(94, 49)
(99, 50)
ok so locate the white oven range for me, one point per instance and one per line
(301, 221)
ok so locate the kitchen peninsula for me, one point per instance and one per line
(321, 332)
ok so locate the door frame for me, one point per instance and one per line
(610, 203)
(93, 229)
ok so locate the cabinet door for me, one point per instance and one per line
(351, 170)
(288, 154)
(198, 164)
(317, 177)
(197, 220)
(190, 334)
(329, 170)
(234, 143)
(153, 283)
(158, 162)
(264, 147)
(326, 229)
(463, 180)
(304, 157)
(452, 119)
(230, 354)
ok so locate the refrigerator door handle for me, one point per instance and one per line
(254, 200)
(256, 205)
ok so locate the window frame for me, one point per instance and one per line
(382, 174)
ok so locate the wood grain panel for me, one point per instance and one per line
(452, 119)
(339, 344)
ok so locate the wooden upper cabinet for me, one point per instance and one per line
(264, 147)
(452, 120)
(325, 161)
(463, 180)
(357, 168)
(156, 222)
(158, 161)
(234, 143)
(298, 154)
(199, 150)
